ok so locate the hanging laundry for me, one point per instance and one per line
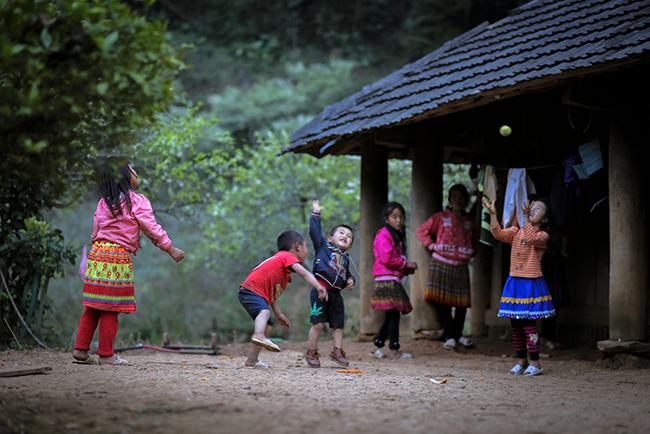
(489, 188)
(518, 188)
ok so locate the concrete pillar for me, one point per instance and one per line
(426, 199)
(374, 194)
(628, 234)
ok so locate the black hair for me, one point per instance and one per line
(548, 214)
(398, 236)
(461, 189)
(547, 226)
(288, 239)
(343, 226)
(115, 183)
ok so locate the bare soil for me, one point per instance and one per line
(578, 392)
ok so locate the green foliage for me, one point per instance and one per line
(76, 78)
(32, 256)
(301, 89)
(185, 160)
(41, 245)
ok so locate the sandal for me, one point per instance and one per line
(265, 343)
(118, 362)
(257, 365)
(89, 361)
(516, 370)
(531, 370)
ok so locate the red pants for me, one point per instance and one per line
(107, 321)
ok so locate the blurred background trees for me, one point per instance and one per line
(202, 95)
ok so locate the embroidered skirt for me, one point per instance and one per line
(448, 284)
(390, 294)
(108, 282)
(524, 298)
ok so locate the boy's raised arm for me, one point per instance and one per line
(309, 278)
(315, 231)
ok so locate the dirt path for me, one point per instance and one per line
(173, 393)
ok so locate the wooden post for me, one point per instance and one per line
(481, 279)
(426, 199)
(628, 236)
(374, 194)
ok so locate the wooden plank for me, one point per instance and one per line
(24, 370)
(616, 347)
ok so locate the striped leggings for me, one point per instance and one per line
(524, 334)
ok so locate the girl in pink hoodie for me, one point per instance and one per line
(389, 269)
(108, 282)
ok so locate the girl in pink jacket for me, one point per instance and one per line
(108, 282)
(389, 269)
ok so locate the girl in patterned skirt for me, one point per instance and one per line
(389, 269)
(525, 295)
(108, 282)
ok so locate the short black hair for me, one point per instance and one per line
(461, 189)
(288, 239)
(343, 226)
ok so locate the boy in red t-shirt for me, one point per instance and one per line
(266, 283)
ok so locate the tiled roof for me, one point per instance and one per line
(543, 41)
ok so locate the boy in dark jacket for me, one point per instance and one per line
(331, 270)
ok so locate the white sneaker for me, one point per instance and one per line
(450, 344)
(378, 354)
(465, 342)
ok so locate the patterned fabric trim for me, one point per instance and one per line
(525, 300)
(109, 280)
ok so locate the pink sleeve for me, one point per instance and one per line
(143, 213)
(386, 253)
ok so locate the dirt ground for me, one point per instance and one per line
(578, 392)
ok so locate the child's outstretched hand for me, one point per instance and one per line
(525, 209)
(176, 254)
(284, 321)
(350, 284)
(317, 207)
(489, 206)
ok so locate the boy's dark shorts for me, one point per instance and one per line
(331, 311)
(253, 303)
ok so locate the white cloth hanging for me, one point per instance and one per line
(518, 188)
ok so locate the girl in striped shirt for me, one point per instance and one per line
(525, 295)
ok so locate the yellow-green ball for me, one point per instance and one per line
(505, 130)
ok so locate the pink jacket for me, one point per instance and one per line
(125, 229)
(389, 259)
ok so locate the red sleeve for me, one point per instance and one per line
(427, 229)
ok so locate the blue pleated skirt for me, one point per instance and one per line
(524, 298)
